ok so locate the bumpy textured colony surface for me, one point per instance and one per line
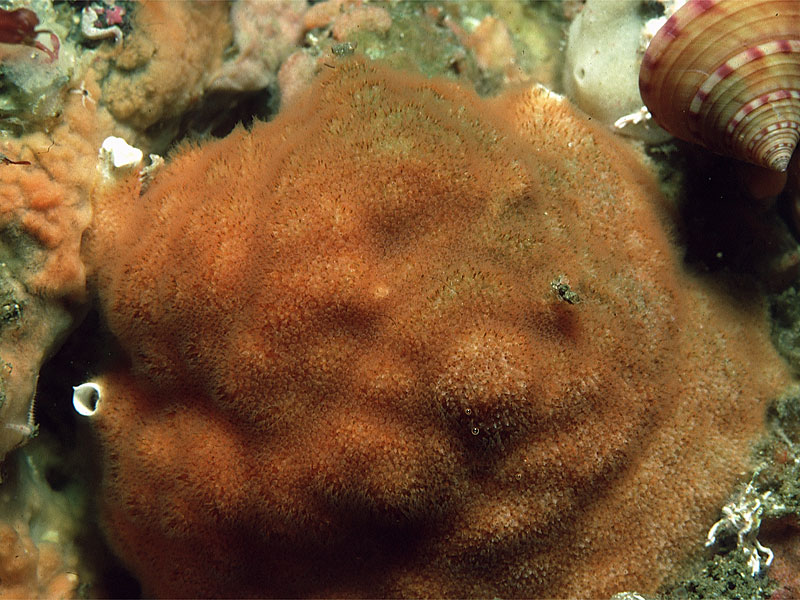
(45, 207)
(402, 341)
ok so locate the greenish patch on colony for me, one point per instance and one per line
(723, 576)
(785, 321)
(726, 570)
(416, 42)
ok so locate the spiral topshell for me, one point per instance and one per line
(725, 74)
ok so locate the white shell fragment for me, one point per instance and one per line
(86, 398)
(725, 74)
(120, 153)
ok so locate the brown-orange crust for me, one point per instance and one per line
(349, 373)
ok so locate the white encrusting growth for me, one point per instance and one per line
(120, 153)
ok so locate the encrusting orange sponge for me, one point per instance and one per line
(402, 341)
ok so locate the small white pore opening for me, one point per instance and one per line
(86, 398)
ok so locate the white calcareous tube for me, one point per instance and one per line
(86, 398)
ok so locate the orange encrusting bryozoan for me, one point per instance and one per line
(402, 341)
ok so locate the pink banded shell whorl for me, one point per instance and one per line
(725, 74)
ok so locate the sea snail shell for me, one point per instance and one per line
(725, 74)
